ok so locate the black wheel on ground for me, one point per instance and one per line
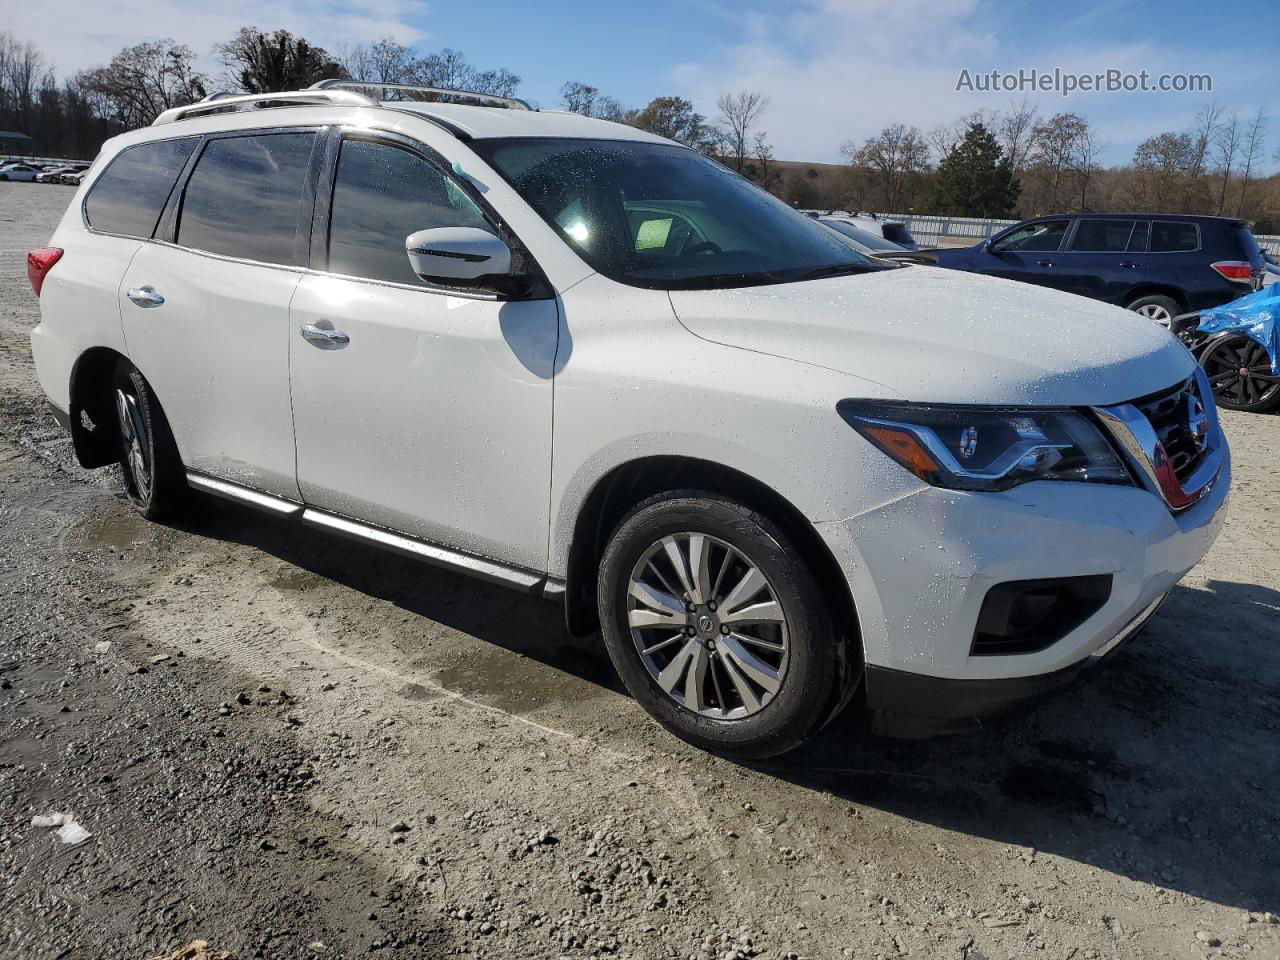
(1156, 307)
(718, 627)
(154, 479)
(1239, 372)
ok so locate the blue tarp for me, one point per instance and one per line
(1257, 316)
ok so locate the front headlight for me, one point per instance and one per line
(987, 448)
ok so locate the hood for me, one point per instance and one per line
(941, 336)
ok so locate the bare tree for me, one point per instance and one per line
(1161, 162)
(1056, 151)
(1015, 131)
(1251, 154)
(384, 61)
(590, 102)
(1201, 136)
(1085, 160)
(142, 81)
(896, 157)
(739, 116)
(947, 136)
(1226, 147)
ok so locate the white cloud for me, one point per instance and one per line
(838, 70)
(75, 34)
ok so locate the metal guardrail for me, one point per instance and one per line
(41, 161)
(931, 231)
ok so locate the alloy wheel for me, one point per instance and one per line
(134, 435)
(1239, 371)
(708, 626)
(1154, 311)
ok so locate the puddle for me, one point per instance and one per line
(120, 531)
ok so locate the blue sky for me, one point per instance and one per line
(835, 70)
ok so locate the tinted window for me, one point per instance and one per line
(1102, 236)
(132, 191)
(866, 238)
(663, 216)
(1034, 237)
(1171, 237)
(898, 233)
(380, 196)
(244, 195)
(1138, 242)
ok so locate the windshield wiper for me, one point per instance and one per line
(837, 270)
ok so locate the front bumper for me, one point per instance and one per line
(920, 567)
(913, 704)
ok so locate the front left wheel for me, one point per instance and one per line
(718, 627)
(154, 479)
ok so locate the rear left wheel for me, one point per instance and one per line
(1156, 307)
(718, 628)
(154, 479)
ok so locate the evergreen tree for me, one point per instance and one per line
(975, 179)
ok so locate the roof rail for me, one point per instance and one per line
(510, 103)
(229, 103)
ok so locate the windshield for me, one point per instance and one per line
(664, 216)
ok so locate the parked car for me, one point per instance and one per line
(895, 231)
(74, 179)
(1159, 265)
(19, 171)
(874, 244)
(54, 174)
(771, 470)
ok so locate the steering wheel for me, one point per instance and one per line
(705, 246)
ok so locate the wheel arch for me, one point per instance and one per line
(1156, 290)
(627, 484)
(94, 432)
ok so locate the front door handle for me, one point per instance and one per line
(1128, 265)
(146, 296)
(325, 339)
(1044, 263)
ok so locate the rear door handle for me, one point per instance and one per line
(146, 296)
(1044, 263)
(324, 339)
(1128, 265)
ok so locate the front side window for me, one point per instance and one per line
(381, 195)
(132, 191)
(244, 197)
(666, 217)
(1172, 237)
(1102, 236)
(1042, 237)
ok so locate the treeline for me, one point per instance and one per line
(992, 163)
(1017, 163)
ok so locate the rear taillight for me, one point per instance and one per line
(38, 264)
(1237, 271)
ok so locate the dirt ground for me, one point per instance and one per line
(291, 746)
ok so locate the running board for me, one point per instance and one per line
(517, 578)
(254, 498)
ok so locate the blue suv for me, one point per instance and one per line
(1160, 265)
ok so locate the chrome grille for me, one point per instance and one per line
(1167, 412)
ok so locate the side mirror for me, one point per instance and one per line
(457, 256)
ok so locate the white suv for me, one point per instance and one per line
(594, 365)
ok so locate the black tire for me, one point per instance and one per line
(815, 674)
(1157, 307)
(154, 479)
(1257, 391)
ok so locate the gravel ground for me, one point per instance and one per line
(291, 746)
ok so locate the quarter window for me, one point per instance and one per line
(1102, 236)
(1173, 237)
(244, 197)
(132, 191)
(381, 195)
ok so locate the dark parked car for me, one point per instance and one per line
(1160, 265)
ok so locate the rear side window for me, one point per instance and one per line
(1102, 236)
(1141, 232)
(898, 233)
(381, 195)
(244, 196)
(1170, 237)
(129, 196)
